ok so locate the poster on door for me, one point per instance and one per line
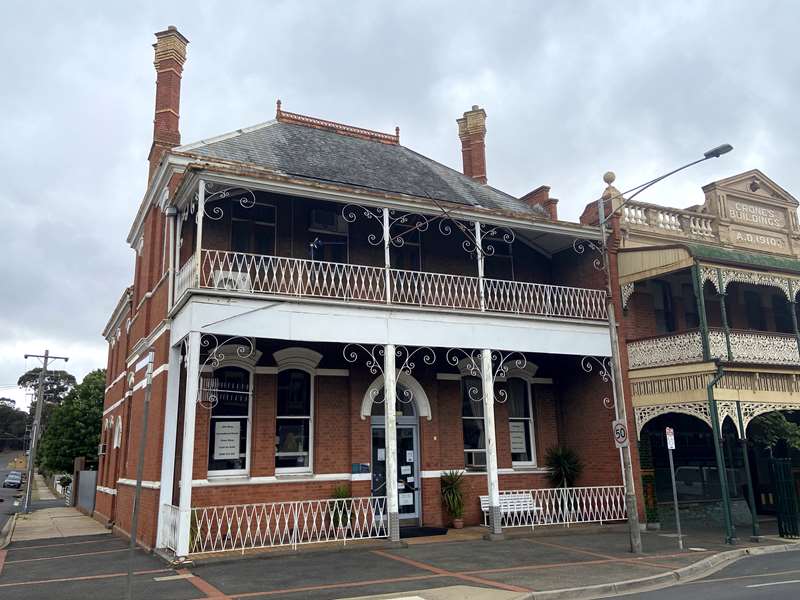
(226, 440)
(517, 430)
(406, 499)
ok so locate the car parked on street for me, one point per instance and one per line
(13, 480)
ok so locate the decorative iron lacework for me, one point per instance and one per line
(755, 347)
(665, 350)
(603, 367)
(501, 363)
(374, 362)
(216, 193)
(654, 386)
(626, 292)
(743, 276)
(243, 349)
(580, 246)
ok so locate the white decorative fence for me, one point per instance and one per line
(248, 526)
(170, 516)
(566, 506)
(665, 350)
(262, 274)
(185, 278)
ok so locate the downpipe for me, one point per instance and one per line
(730, 531)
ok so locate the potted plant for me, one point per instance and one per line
(340, 515)
(452, 483)
(565, 466)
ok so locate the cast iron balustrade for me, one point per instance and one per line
(747, 346)
(300, 278)
(566, 506)
(247, 526)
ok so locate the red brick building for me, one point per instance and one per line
(283, 272)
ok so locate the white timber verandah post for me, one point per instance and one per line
(201, 207)
(170, 438)
(390, 439)
(479, 256)
(493, 484)
(187, 452)
(387, 265)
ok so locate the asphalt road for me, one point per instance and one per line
(7, 507)
(768, 577)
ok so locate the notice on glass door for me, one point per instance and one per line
(409, 456)
(226, 440)
(405, 499)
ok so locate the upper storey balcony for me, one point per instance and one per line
(264, 245)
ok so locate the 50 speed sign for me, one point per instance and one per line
(620, 434)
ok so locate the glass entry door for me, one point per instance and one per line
(408, 481)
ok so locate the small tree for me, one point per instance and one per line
(565, 466)
(74, 427)
(768, 429)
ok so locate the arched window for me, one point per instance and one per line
(230, 421)
(404, 403)
(293, 423)
(118, 433)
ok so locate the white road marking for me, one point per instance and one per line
(173, 577)
(758, 585)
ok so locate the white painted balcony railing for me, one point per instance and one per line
(665, 350)
(274, 275)
(755, 347)
(568, 506)
(758, 347)
(668, 220)
(185, 277)
(248, 526)
(169, 519)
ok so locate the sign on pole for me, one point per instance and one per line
(670, 438)
(670, 447)
(620, 433)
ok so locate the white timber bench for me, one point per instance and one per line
(518, 509)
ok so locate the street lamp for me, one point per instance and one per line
(619, 397)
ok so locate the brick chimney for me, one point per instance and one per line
(472, 131)
(541, 197)
(170, 54)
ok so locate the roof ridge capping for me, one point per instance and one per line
(283, 116)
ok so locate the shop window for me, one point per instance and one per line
(293, 428)
(230, 420)
(520, 421)
(473, 424)
(253, 229)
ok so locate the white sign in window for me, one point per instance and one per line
(406, 499)
(518, 437)
(226, 440)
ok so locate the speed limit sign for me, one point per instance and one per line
(620, 434)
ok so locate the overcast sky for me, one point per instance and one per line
(571, 89)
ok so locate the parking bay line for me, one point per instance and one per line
(22, 560)
(760, 585)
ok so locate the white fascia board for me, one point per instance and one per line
(416, 204)
(166, 169)
(330, 322)
(120, 310)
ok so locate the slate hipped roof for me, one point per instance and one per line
(331, 157)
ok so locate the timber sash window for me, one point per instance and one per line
(253, 229)
(293, 422)
(520, 422)
(473, 424)
(230, 420)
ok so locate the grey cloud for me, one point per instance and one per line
(571, 90)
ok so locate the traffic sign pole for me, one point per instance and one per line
(670, 447)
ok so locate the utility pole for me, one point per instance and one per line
(148, 362)
(37, 422)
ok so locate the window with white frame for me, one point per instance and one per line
(520, 421)
(293, 423)
(228, 390)
(473, 424)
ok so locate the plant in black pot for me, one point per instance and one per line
(565, 466)
(340, 515)
(452, 483)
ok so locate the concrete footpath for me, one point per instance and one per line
(554, 564)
